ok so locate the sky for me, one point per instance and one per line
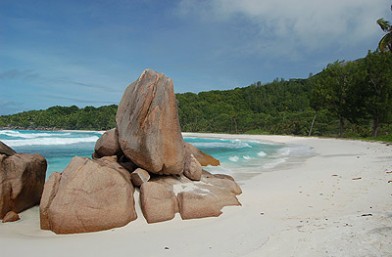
(85, 52)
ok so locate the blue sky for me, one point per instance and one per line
(86, 52)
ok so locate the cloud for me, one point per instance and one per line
(293, 26)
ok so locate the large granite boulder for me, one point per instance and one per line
(192, 200)
(148, 125)
(203, 158)
(90, 195)
(107, 144)
(157, 203)
(22, 179)
(6, 150)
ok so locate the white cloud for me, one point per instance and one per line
(291, 25)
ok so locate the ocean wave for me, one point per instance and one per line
(50, 141)
(234, 144)
(17, 134)
(234, 158)
(274, 163)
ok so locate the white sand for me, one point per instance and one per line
(310, 208)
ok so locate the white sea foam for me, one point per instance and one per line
(230, 145)
(274, 163)
(50, 141)
(234, 158)
(247, 157)
(285, 151)
(12, 133)
(261, 154)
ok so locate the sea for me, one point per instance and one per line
(239, 158)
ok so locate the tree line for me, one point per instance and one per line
(346, 99)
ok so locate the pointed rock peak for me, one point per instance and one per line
(148, 126)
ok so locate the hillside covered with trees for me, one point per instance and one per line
(347, 99)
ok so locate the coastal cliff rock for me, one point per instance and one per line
(22, 178)
(90, 195)
(203, 158)
(148, 125)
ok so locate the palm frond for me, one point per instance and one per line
(385, 26)
(385, 43)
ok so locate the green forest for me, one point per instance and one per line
(346, 99)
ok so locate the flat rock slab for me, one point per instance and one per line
(193, 199)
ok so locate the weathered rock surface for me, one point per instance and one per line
(157, 203)
(148, 125)
(139, 176)
(192, 168)
(22, 178)
(203, 158)
(209, 198)
(11, 216)
(6, 150)
(90, 195)
(193, 199)
(107, 144)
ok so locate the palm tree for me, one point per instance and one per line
(385, 43)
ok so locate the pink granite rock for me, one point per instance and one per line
(90, 195)
(22, 178)
(148, 125)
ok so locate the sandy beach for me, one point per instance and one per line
(336, 202)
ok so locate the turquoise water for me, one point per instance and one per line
(60, 147)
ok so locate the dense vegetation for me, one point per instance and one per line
(59, 117)
(350, 99)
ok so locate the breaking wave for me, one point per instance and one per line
(49, 141)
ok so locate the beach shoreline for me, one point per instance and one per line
(337, 202)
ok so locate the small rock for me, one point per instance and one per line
(11, 216)
(139, 176)
(192, 168)
(366, 214)
(358, 178)
(107, 144)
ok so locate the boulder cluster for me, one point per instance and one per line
(145, 152)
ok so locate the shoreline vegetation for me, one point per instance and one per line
(348, 99)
